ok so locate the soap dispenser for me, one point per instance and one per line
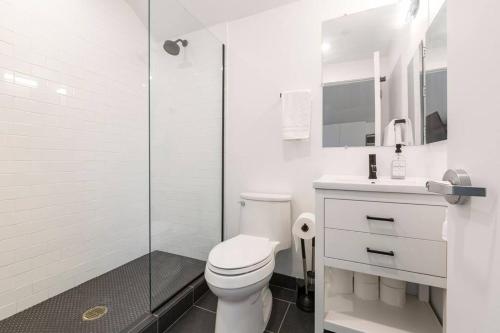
(398, 167)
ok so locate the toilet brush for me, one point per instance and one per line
(304, 266)
(310, 274)
(305, 296)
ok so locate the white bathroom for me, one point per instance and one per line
(284, 166)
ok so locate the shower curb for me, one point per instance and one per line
(166, 315)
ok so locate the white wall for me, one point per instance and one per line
(186, 146)
(347, 71)
(474, 136)
(73, 145)
(278, 50)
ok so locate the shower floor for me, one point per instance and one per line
(124, 291)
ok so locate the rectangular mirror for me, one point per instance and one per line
(435, 80)
(414, 74)
(375, 92)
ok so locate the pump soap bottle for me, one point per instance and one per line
(398, 167)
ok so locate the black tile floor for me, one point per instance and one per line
(285, 316)
(124, 290)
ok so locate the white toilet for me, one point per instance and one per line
(238, 270)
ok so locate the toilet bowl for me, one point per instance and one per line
(238, 270)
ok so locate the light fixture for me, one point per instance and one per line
(20, 79)
(62, 91)
(8, 77)
(26, 82)
(409, 9)
(325, 47)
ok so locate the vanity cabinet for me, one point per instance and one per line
(391, 229)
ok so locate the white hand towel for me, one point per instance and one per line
(398, 133)
(404, 132)
(296, 114)
(408, 136)
(389, 134)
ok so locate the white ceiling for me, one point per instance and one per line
(216, 11)
(171, 18)
(356, 36)
(436, 36)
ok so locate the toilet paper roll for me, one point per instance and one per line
(365, 278)
(366, 291)
(366, 286)
(340, 282)
(393, 296)
(393, 283)
(304, 228)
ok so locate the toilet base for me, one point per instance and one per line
(248, 315)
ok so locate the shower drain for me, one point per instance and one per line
(95, 313)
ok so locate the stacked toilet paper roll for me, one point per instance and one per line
(340, 282)
(393, 292)
(366, 286)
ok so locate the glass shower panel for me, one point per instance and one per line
(186, 138)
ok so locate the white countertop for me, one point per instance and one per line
(382, 184)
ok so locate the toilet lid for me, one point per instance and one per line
(240, 254)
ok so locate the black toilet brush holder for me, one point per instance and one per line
(305, 288)
(305, 301)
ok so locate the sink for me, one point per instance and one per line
(383, 184)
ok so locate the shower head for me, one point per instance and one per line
(172, 47)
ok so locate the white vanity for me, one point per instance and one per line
(386, 228)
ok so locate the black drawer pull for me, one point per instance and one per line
(385, 253)
(386, 219)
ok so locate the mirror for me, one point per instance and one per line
(373, 76)
(355, 69)
(435, 80)
(414, 75)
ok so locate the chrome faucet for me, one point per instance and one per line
(372, 166)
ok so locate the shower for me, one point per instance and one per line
(172, 47)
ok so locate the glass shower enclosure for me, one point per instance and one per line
(115, 185)
(186, 147)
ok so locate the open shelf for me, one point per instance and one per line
(349, 314)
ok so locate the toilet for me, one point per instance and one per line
(238, 270)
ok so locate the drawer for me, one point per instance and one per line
(386, 218)
(413, 255)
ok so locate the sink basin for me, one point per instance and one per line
(383, 184)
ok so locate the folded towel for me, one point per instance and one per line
(401, 132)
(407, 133)
(390, 134)
(296, 114)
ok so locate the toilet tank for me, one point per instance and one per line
(267, 215)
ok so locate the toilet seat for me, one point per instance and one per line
(241, 254)
(239, 271)
(240, 261)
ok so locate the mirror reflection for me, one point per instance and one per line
(435, 82)
(378, 88)
(414, 75)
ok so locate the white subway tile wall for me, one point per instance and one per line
(73, 145)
